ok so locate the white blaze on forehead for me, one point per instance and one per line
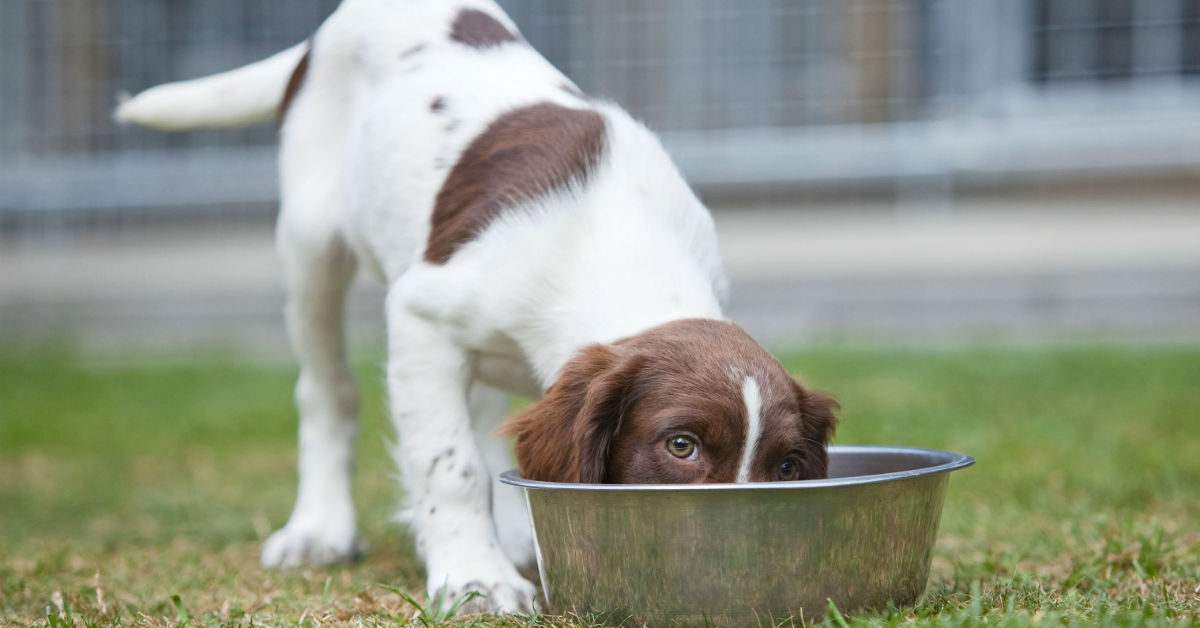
(753, 399)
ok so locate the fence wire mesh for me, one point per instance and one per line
(789, 91)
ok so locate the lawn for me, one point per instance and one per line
(135, 492)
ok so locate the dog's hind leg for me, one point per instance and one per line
(318, 267)
(444, 472)
(488, 409)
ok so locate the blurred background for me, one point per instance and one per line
(881, 171)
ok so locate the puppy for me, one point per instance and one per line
(532, 239)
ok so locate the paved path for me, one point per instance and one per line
(1068, 271)
(986, 271)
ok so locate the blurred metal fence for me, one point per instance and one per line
(754, 93)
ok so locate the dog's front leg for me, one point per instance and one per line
(509, 512)
(444, 473)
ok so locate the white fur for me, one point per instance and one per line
(362, 157)
(753, 400)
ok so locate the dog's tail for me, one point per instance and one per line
(241, 97)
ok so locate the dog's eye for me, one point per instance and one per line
(789, 469)
(681, 446)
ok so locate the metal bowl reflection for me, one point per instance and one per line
(743, 554)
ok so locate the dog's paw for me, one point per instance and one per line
(499, 597)
(512, 595)
(299, 543)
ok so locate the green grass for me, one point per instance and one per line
(136, 492)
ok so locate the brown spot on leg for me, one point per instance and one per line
(412, 51)
(523, 155)
(479, 30)
(293, 85)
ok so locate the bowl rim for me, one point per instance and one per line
(947, 461)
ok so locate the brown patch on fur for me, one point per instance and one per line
(295, 81)
(566, 436)
(523, 155)
(614, 407)
(479, 30)
(437, 105)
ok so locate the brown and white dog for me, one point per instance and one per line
(532, 239)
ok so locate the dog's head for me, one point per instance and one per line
(686, 402)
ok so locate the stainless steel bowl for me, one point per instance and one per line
(743, 554)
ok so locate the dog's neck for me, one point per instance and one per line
(650, 256)
(620, 304)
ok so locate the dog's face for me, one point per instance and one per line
(687, 402)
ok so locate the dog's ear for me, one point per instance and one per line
(568, 435)
(818, 420)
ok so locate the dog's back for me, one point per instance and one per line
(399, 90)
(379, 105)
